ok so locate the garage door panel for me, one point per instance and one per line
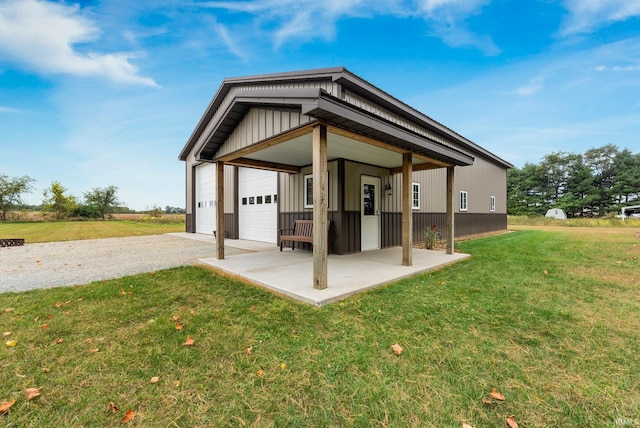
(257, 216)
(205, 198)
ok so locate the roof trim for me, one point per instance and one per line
(346, 80)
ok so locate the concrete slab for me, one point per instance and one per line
(291, 272)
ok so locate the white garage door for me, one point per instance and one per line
(258, 204)
(206, 198)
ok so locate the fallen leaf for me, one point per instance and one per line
(58, 304)
(68, 313)
(466, 425)
(155, 379)
(113, 407)
(252, 308)
(545, 272)
(128, 416)
(46, 369)
(260, 373)
(36, 319)
(179, 326)
(250, 350)
(49, 316)
(176, 318)
(9, 310)
(176, 383)
(93, 351)
(67, 302)
(192, 312)
(32, 393)
(44, 326)
(189, 342)
(496, 395)
(487, 401)
(5, 406)
(6, 333)
(283, 366)
(59, 341)
(80, 299)
(397, 349)
(11, 343)
(511, 422)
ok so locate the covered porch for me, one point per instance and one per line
(287, 272)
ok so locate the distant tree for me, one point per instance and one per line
(600, 160)
(626, 177)
(57, 203)
(11, 191)
(105, 199)
(86, 211)
(173, 210)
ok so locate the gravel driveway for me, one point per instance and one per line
(80, 262)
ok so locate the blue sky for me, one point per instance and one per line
(98, 93)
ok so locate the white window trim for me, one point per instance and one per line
(492, 203)
(413, 194)
(305, 196)
(464, 206)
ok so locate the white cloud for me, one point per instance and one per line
(304, 20)
(41, 36)
(5, 109)
(531, 88)
(588, 15)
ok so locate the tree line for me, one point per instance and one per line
(99, 202)
(594, 183)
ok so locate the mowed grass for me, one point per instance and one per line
(52, 231)
(550, 319)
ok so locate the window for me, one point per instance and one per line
(415, 203)
(492, 203)
(252, 200)
(267, 199)
(463, 200)
(244, 201)
(308, 190)
(259, 200)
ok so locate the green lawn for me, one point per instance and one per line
(72, 230)
(550, 319)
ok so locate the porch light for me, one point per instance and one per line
(388, 188)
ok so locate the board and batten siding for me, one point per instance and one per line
(260, 124)
(330, 87)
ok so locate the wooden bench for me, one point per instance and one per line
(302, 232)
(12, 242)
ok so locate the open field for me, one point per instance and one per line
(551, 319)
(72, 230)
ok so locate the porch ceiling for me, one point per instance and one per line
(298, 152)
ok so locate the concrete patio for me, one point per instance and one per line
(291, 272)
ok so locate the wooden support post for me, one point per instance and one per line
(407, 209)
(220, 210)
(450, 216)
(320, 204)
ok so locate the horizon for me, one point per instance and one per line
(97, 93)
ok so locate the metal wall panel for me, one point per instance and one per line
(260, 124)
(375, 109)
(291, 197)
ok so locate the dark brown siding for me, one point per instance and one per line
(344, 230)
(465, 224)
(471, 224)
(230, 226)
(189, 227)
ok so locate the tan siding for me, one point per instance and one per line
(258, 125)
(229, 189)
(482, 180)
(353, 172)
(292, 189)
(373, 108)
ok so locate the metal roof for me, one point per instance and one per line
(319, 105)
